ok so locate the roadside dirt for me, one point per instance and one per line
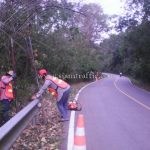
(47, 133)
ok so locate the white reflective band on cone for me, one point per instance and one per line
(80, 132)
(79, 147)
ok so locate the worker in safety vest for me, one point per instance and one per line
(6, 95)
(58, 88)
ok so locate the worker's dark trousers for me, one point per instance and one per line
(4, 110)
(62, 104)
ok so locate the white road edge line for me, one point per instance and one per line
(138, 87)
(130, 97)
(72, 120)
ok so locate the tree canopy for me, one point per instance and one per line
(56, 35)
(64, 38)
(129, 51)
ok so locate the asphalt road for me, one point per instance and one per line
(117, 115)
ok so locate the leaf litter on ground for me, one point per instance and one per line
(47, 133)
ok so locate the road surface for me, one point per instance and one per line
(117, 115)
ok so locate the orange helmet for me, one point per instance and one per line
(42, 72)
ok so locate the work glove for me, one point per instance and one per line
(33, 97)
(14, 76)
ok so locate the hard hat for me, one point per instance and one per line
(42, 72)
(10, 72)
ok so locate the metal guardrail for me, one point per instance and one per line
(11, 130)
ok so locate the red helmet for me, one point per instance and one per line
(42, 72)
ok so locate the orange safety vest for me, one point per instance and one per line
(60, 83)
(9, 91)
(1, 86)
(53, 92)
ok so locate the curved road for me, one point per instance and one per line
(117, 115)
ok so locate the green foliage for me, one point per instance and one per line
(129, 52)
(53, 35)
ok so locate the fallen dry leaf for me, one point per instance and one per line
(47, 134)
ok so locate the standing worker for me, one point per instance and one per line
(6, 95)
(58, 88)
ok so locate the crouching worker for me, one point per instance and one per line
(6, 95)
(58, 88)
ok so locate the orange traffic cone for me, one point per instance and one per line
(79, 139)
